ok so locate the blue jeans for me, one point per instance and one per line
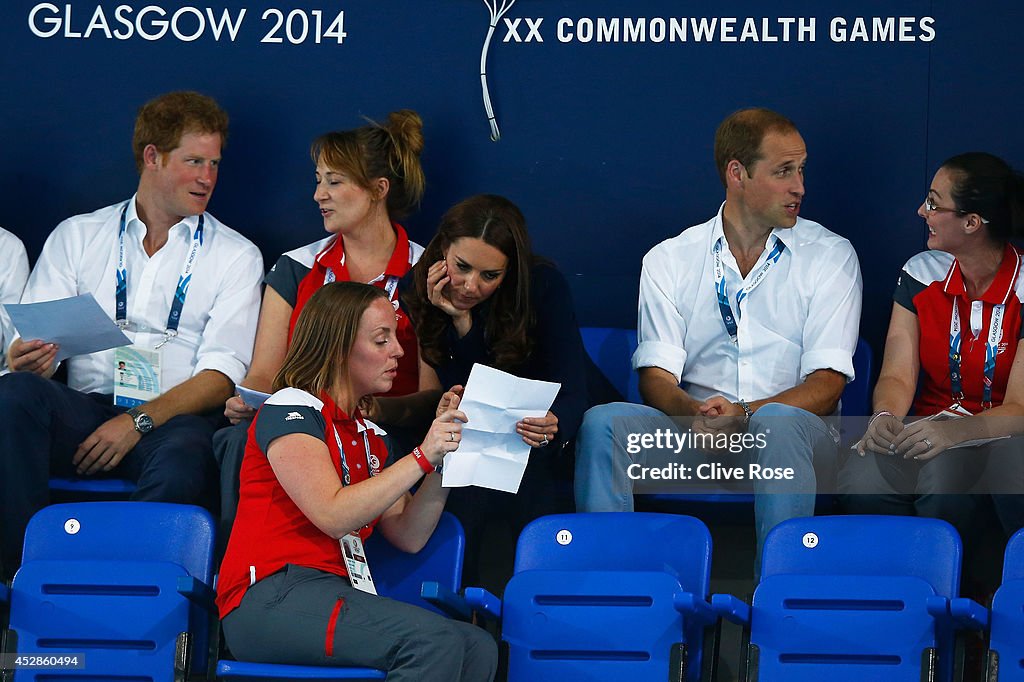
(792, 438)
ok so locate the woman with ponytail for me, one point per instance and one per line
(366, 179)
(953, 349)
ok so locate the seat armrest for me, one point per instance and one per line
(695, 608)
(196, 591)
(731, 608)
(452, 604)
(969, 613)
(483, 602)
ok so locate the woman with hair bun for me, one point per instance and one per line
(954, 345)
(366, 179)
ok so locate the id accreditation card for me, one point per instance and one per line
(136, 375)
(355, 561)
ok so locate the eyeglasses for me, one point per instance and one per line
(930, 207)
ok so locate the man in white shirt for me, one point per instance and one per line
(13, 275)
(747, 327)
(185, 289)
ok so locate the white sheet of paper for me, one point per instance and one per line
(253, 399)
(491, 454)
(77, 324)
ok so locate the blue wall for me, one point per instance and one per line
(606, 146)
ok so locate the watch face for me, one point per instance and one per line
(143, 422)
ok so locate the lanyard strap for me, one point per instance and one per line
(180, 292)
(722, 289)
(390, 286)
(346, 474)
(995, 333)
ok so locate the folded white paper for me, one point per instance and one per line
(77, 325)
(491, 454)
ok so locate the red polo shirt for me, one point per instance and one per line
(929, 285)
(270, 530)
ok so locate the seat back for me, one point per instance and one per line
(592, 596)
(1006, 643)
(856, 399)
(619, 541)
(929, 549)
(102, 579)
(869, 576)
(400, 575)
(611, 349)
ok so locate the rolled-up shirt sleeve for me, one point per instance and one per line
(660, 327)
(833, 320)
(230, 332)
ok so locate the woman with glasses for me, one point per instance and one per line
(953, 354)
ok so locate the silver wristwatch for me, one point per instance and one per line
(143, 422)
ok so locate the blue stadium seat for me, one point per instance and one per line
(1006, 643)
(96, 489)
(125, 585)
(602, 597)
(398, 575)
(847, 598)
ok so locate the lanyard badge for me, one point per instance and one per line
(722, 289)
(995, 334)
(180, 291)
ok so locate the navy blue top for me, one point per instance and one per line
(558, 354)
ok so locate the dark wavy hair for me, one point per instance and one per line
(985, 184)
(498, 222)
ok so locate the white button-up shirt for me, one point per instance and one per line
(218, 320)
(803, 316)
(13, 275)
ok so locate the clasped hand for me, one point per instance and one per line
(920, 440)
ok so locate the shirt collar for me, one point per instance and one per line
(782, 234)
(333, 255)
(1002, 287)
(132, 221)
(339, 417)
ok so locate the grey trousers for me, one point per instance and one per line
(302, 616)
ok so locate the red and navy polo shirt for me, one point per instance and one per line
(928, 286)
(270, 530)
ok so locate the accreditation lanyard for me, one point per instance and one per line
(180, 292)
(722, 289)
(372, 462)
(390, 286)
(995, 333)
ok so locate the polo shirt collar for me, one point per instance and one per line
(341, 419)
(333, 255)
(1002, 287)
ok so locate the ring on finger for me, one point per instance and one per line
(928, 443)
(451, 436)
(544, 442)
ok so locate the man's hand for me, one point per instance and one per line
(34, 356)
(106, 446)
(716, 415)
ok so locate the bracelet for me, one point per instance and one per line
(876, 415)
(422, 460)
(747, 412)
